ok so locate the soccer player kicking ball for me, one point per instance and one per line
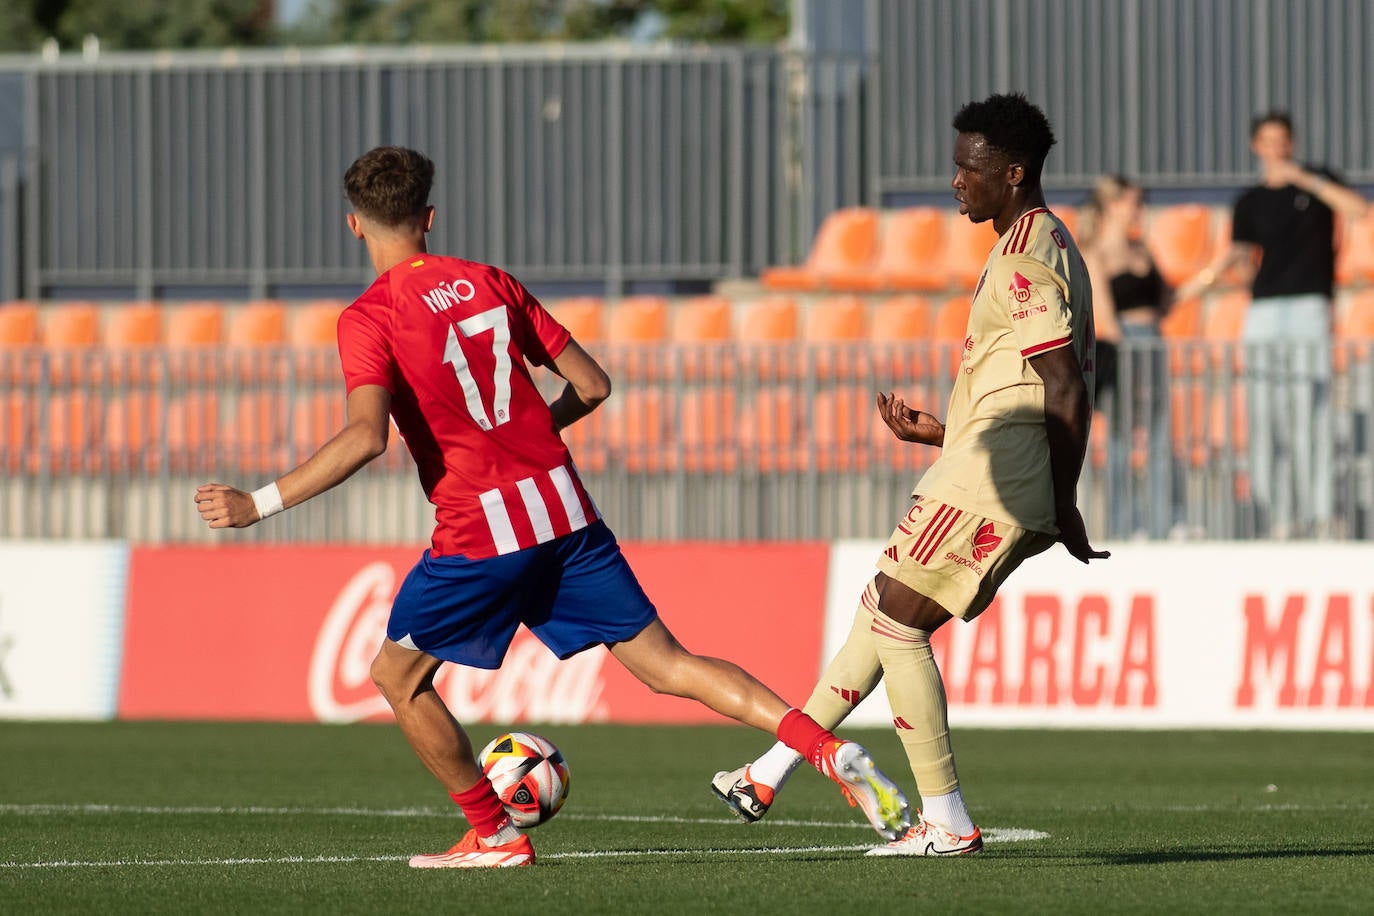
(1002, 490)
(440, 345)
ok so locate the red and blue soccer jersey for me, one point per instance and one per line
(449, 339)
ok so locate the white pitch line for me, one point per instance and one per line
(1004, 834)
(335, 860)
(991, 835)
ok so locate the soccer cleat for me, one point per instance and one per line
(927, 839)
(742, 795)
(866, 787)
(471, 852)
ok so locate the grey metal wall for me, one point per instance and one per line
(1160, 89)
(559, 165)
(179, 175)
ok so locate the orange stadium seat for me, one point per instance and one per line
(967, 246)
(71, 429)
(841, 424)
(586, 440)
(1223, 325)
(950, 329)
(639, 319)
(766, 328)
(316, 324)
(313, 336)
(134, 324)
(638, 430)
(832, 330)
(842, 252)
(259, 431)
(701, 329)
(773, 430)
(132, 337)
(1182, 240)
(1354, 330)
(708, 429)
(257, 333)
(583, 316)
(1181, 327)
(134, 428)
(315, 418)
(18, 324)
(191, 329)
(134, 415)
(193, 430)
(900, 333)
(258, 324)
(1355, 257)
(195, 324)
(702, 318)
(637, 329)
(911, 250)
(70, 334)
(74, 325)
(16, 429)
(18, 331)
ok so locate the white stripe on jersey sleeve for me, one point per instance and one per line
(539, 513)
(562, 482)
(498, 520)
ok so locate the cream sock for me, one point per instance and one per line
(919, 710)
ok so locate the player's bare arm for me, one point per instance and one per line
(1067, 414)
(1232, 254)
(363, 438)
(908, 424)
(588, 385)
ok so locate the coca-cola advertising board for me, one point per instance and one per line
(1255, 635)
(61, 610)
(289, 633)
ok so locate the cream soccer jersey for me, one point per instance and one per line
(1034, 296)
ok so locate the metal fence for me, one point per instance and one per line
(561, 165)
(720, 442)
(200, 174)
(1162, 90)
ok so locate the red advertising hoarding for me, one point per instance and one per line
(289, 633)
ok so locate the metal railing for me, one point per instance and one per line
(720, 442)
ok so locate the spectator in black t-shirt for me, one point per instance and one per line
(1289, 221)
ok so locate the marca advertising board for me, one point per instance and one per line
(289, 633)
(61, 612)
(1215, 635)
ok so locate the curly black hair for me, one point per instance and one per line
(1012, 124)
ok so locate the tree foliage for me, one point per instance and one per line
(172, 24)
(137, 24)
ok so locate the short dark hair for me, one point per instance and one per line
(390, 184)
(1010, 123)
(1273, 116)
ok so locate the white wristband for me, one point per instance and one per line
(268, 500)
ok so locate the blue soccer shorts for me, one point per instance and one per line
(573, 592)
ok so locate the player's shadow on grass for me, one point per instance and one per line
(1170, 856)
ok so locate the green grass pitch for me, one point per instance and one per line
(252, 818)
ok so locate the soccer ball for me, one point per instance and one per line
(529, 774)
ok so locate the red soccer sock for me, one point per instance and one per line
(482, 808)
(802, 734)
